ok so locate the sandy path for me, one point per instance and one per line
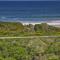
(29, 37)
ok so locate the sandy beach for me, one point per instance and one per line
(53, 23)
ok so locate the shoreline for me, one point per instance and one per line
(52, 23)
(56, 24)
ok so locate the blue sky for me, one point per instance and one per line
(29, 0)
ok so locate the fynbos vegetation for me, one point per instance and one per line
(18, 29)
(37, 48)
(30, 49)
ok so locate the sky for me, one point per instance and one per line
(29, 0)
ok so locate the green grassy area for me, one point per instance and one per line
(18, 29)
(39, 48)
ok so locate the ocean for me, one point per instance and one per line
(30, 11)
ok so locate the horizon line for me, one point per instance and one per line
(30, 0)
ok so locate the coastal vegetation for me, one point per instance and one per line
(36, 48)
(42, 48)
(18, 29)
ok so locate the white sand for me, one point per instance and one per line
(49, 23)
